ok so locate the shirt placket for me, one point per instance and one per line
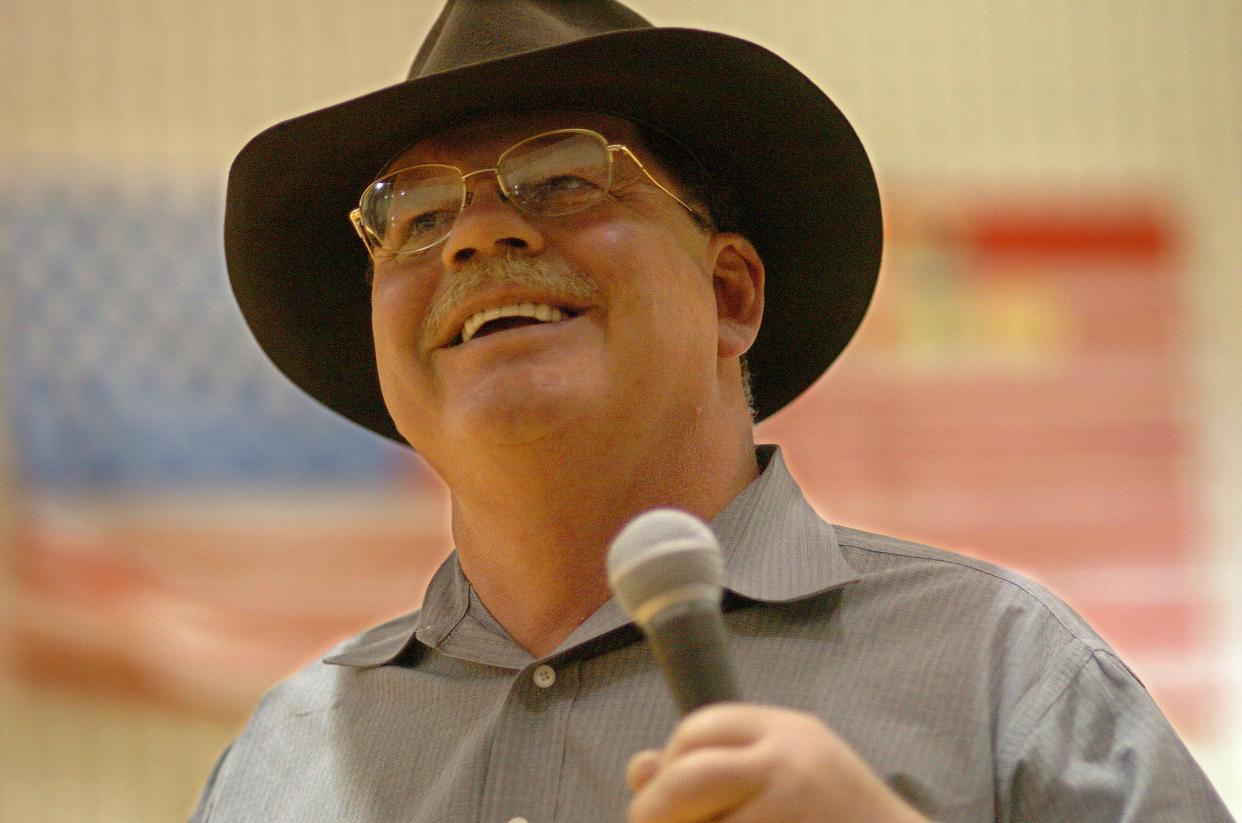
(526, 759)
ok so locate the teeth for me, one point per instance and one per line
(538, 311)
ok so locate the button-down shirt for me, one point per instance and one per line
(971, 691)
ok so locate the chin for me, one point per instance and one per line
(510, 426)
(523, 412)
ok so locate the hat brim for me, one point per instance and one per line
(806, 192)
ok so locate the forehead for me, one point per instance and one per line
(477, 143)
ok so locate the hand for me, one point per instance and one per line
(738, 763)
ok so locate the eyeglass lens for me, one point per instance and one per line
(548, 175)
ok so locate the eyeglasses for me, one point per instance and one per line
(552, 174)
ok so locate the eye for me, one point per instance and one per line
(412, 232)
(428, 221)
(559, 193)
(556, 185)
(567, 182)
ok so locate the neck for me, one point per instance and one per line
(532, 524)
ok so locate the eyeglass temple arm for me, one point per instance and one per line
(355, 217)
(698, 218)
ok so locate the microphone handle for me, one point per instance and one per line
(691, 646)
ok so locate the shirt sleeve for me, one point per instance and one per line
(1103, 751)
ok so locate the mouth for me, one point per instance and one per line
(512, 316)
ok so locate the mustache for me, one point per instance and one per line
(552, 277)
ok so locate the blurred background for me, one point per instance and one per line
(1051, 377)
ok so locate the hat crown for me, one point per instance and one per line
(475, 31)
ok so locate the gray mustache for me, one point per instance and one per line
(551, 277)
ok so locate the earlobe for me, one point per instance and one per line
(737, 277)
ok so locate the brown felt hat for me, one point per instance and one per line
(805, 189)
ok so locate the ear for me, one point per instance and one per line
(737, 277)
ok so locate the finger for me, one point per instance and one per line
(766, 806)
(642, 767)
(755, 811)
(699, 786)
(720, 724)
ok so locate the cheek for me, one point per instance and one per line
(398, 302)
(397, 308)
(643, 263)
(655, 277)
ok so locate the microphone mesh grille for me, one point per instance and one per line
(661, 550)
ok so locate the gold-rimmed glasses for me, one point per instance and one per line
(551, 174)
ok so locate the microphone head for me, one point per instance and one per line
(659, 554)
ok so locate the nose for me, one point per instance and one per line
(489, 225)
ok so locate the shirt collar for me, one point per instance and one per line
(444, 605)
(776, 549)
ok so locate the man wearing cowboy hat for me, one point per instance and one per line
(592, 253)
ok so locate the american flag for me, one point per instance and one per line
(131, 367)
(189, 526)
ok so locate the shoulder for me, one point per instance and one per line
(1054, 689)
(934, 581)
(992, 630)
(316, 686)
(290, 732)
(297, 705)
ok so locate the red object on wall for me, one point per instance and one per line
(1018, 394)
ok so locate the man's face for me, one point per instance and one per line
(636, 352)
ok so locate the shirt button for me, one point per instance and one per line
(544, 676)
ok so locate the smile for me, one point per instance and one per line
(500, 318)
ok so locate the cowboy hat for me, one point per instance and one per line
(806, 190)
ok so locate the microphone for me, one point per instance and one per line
(666, 571)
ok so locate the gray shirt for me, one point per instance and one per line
(971, 691)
